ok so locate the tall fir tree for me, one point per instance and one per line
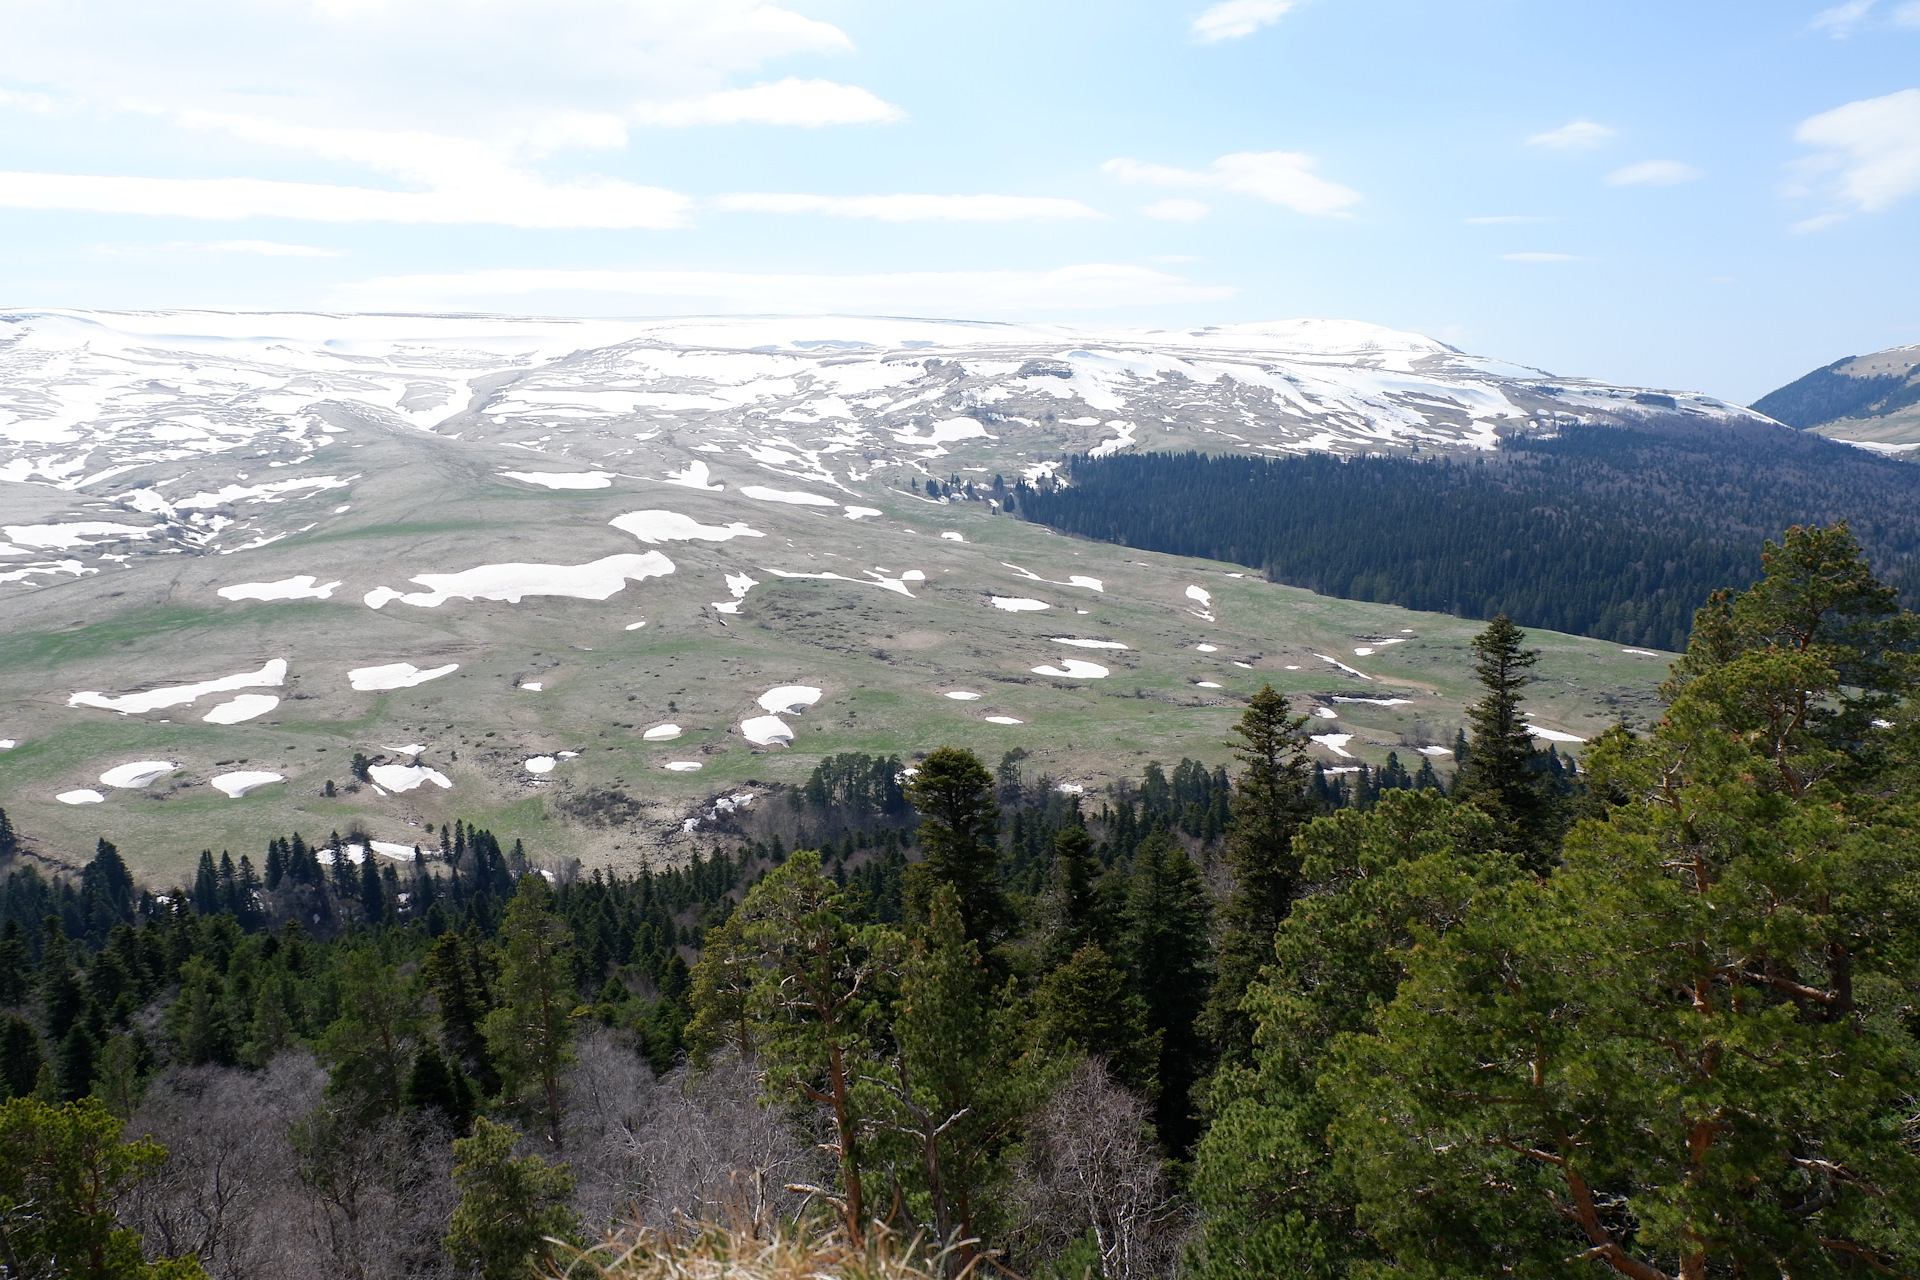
(1501, 774)
(1272, 799)
(1167, 934)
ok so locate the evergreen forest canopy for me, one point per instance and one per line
(1611, 532)
(1656, 1019)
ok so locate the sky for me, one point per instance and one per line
(1712, 195)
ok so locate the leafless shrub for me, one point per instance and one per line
(259, 1181)
(1091, 1166)
(702, 1148)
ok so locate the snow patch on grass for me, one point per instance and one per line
(655, 527)
(1336, 743)
(1078, 643)
(1018, 604)
(80, 797)
(539, 764)
(238, 784)
(1002, 720)
(1075, 669)
(245, 707)
(564, 479)
(595, 580)
(693, 476)
(405, 777)
(274, 673)
(79, 533)
(140, 773)
(859, 513)
(683, 766)
(662, 733)
(304, 587)
(767, 731)
(1552, 735)
(962, 695)
(395, 675)
(793, 497)
(1380, 702)
(791, 698)
(951, 536)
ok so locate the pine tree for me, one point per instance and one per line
(722, 984)
(508, 1207)
(529, 1036)
(818, 1010)
(1168, 913)
(958, 833)
(1272, 799)
(369, 1047)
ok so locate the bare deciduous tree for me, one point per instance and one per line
(1091, 1167)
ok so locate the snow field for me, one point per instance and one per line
(859, 513)
(304, 587)
(1018, 604)
(540, 764)
(683, 766)
(1208, 648)
(238, 784)
(1206, 684)
(1078, 643)
(395, 675)
(1643, 653)
(1002, 720)
(1378, 702)
(1336, 662)
(79, 533)
(662, 733)
(7, 744)
(274, 673)
(1435, 751)
(80, 797)
(1553, 735)
(140, 773)
(534, 686)
(695, 476)
(961, 695)
(950, 536)
(245, 707)
(1336, 743)
(1245, 666)
(1326, 713)
(595, 580)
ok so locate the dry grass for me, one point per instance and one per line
(800, 1252)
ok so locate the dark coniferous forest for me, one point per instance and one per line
(1611, 532)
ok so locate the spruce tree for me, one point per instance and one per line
(20, 1056)
(370, 1046)
(1272, 799)
(1499, 775)
(1168, 914)
(16, 965)
(959, 827)
(206, 886)
(1087, 1005)
(1073, 910)
(452, 972)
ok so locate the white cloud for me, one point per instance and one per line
(1907, 15)
(274, 249)
(1575, 135)
(1177, 209)
(525, 201)
(1819, 223)
(1232, 19)
(1542, 257)
(1652, 173)
(1085, 286)
(457, 100)
(1504, 220)
(1281, 177)
(1874, 144)
(1842, 18)
(805, 103)
(911, 208)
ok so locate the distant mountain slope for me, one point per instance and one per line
(1868, 400)
(1618, 533)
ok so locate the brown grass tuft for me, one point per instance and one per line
(700, 1252)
